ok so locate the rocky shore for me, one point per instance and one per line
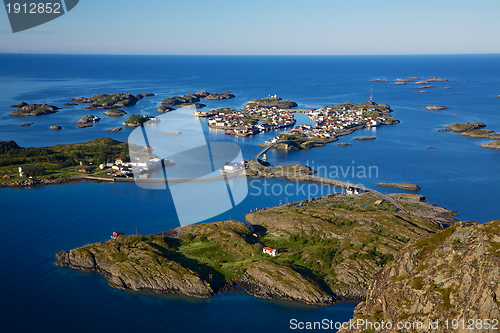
(491, 145)
(327, 251)
(40, 182)
(146, 273)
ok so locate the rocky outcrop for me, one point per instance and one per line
(219, 96)
(135, 263)
(365, 138)
(40, 182)
(70, 104)
(165, 108)
(56, 128)
(491, 145)
(401, 186)
(141, 96)
(87, 119)
(435, 107)
(116, 129)
(465, 127)
(34, 110)
(195, 97)
(104, 101)
(26, 124)
(115, 113)
(272, 281)
(453, 274)
(19, 105)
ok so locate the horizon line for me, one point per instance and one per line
(248, 55)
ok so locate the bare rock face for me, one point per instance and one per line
(279, 282)
(453, 274)
(135, 263)
(116, 129)
(56, 128)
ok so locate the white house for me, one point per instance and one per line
(26, 168)
(271, 252)
(354, 190)
(232, 166)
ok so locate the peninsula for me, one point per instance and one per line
(323, 250)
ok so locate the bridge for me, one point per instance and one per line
(263, 151)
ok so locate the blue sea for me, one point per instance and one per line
(38, 296)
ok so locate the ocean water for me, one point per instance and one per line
(41, 297)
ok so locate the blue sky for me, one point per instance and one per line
(272, 27)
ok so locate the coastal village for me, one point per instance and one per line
(252, 119)
(331, 121)
(337, 120)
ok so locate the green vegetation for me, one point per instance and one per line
(34, 110)
(270, 102)
(196, 97)
(462, 127)
(136, 120)
(59, 161)
(430, 244)
(318, 235)
(115, 112)
(491, 145)
(165, 108)
(334, 242)
(104, 101)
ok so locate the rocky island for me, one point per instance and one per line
(402, 186)
(491, 145)
(86, 121)
(138, 120)
(329, 248)
(115, 113)
(435, 107)
(189, 99)
(269, 102)
(112, 101)
(165, 108)
(33, 109)
(365, 138)
(475, 130)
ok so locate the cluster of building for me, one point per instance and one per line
(235, 122)
(331, 121)
(138, 166)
